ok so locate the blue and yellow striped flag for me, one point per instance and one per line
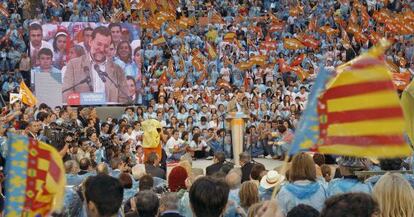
(359, 113)
(35, 183)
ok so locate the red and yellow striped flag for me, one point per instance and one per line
(229, 37)
(27, 96)
(211, 50)
(360, 113)
(159, 41)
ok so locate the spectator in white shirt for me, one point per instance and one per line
(175, 147)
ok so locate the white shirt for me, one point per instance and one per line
(44, 44)
(172, 143)
(98, 84)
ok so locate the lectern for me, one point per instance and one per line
(237, 122)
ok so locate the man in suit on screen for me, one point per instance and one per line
(94, 73)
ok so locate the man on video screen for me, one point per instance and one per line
(94, 73)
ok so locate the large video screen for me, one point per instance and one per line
(81, 63)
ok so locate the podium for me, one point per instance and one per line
(237, 122)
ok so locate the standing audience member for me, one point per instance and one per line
(351, 204)
(349, 182)
(303, 210)
(208, 197)
(394, 195)
(303, 187)
(249, 195)
(103, 196)
(169, 205)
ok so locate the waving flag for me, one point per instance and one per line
(358, 114)
(35, 181)
(407, 103)
(211, 51)
(26, 95)
(159, 41)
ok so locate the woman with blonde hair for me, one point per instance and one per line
(303, 187)
(249, 195)
(394, 195)
(252, 212)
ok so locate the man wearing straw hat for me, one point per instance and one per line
(268, 182)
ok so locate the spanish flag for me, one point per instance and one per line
(35, 183)
(258, 59)
(211, 50)
(229, 37)
(198, 63)
(27, 96)
(358, 114)
(245, 65)
(159, 41)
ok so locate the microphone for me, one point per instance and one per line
(100, 73)
(88, 77)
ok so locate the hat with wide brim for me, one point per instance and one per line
(271, 179)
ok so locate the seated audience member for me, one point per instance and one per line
(218, 161)
(390, 165)
(175, 147)
(103, 195)
(208, 197)
(394, 195)
(303, 210)
(351, 204)
(349, 182)
(152, 166)
(303, 187)
(169, 205)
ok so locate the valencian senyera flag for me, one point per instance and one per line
(35, 181)
(355, 112)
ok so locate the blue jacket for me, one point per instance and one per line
(301, 192)
(346, 185)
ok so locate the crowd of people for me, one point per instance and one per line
(189, 81)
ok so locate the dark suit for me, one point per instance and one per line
(155, 171)
(75, 73)
(212, 169)
(246, 170)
